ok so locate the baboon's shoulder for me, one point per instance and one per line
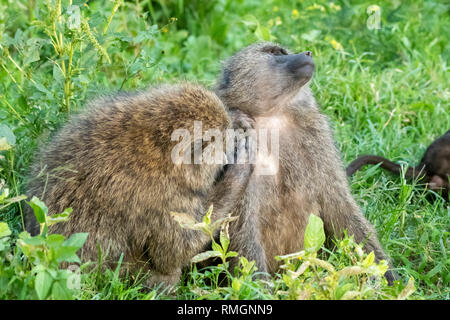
(165, 108)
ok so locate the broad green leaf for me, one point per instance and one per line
(6, 132)
(55, 240)
(4, 230)
(67, 254)
(314, 234)
(60, 291)
(263, 33)
(42, 284)
(24, 235)
(369, 260)
(236, 284)
(39, 208)
(231, 254)
(34, 241)
(250, 21)
(76, 240)
(41, 88)
(57, 73)
(342, 289)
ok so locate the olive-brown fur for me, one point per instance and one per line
(274, 210)
(112, 165)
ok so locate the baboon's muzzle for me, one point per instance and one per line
(301, 65)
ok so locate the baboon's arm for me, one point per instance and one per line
(226, 192)
(235, 194)
(340, 212)
(245, 232)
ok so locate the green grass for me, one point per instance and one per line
(386, 92)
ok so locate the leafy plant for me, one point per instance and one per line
(349, 274)
(32, 268)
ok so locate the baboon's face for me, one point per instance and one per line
(263, 76)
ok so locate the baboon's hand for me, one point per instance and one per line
(241, 120)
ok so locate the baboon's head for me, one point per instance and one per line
(264, 76)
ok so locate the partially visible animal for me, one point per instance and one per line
(433, 169)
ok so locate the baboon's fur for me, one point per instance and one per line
(112, 165)
(433, 169)
(266, 82)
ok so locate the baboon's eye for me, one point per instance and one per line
(276, 51)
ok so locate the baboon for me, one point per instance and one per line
(433, 169)
(112, 165)
(271, 85)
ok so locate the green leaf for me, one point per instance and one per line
(42, 284)
(24, 235)
(231, 254)
(34, 241)
(60, 291)
(236, 284)
(6, 132)
(4, 230)
(224, 240)
(207, 217)
(41, 88)
(76, 240)
(39, 208)
(67, 254)
(314, 234)
(60, 217)
(55, 240)
(57, 73)
(342, 289)
(263, 33)
(369, 260)
(216, 247)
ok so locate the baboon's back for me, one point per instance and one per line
(111, 164)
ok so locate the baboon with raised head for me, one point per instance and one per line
(112, 165)
(270, 85)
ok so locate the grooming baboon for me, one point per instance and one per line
(270, 85)
(112, 165)
(433, 169)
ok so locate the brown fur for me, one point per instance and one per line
(112, 165)
(264, 81)
(433, 169)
